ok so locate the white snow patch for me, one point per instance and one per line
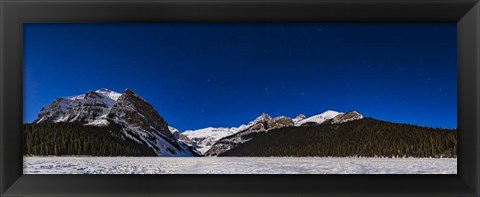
(109, 93)
(173, 129)
(98, 123)
(109, 98)
(320, 118)
(205, 138)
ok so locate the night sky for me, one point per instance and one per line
(222, 75)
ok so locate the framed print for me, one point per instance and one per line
(209, 98)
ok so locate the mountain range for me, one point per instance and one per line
(130, 118)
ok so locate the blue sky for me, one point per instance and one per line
(212, 74)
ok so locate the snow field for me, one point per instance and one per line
(237, 165)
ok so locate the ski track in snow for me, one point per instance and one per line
(237, 165)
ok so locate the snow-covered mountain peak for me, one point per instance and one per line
(320, 118)
(299, 118)
(83, 108)
(203, 139)
(134, 111)
(209, 131)
(102, 95)
(262, 118)
(109, 93)
(330, 113)
(130, 93)
(138, 119)
(77, 97)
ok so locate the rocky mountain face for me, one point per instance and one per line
(280, 122)
(262, 123)
(134, 112)
(138, 119)
(82, 108)
(350, 116)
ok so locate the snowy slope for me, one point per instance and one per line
(238, 165)
(205, 138)
(109, 97)
(320, 118)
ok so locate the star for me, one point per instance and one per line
(267, 91)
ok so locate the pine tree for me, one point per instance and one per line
(76, 139)
(366, 137)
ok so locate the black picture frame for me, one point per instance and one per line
(13, 13)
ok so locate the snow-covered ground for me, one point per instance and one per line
(237, 165)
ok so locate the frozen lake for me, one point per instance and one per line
(237, 165)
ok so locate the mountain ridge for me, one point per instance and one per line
(129, 117)
(205, 138)
(143, 124)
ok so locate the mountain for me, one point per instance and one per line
(265, 123)
(108, 123)
(206, 140)
(366, 137)
(137, 120)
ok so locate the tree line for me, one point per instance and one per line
(362, 138)
(76, 139)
